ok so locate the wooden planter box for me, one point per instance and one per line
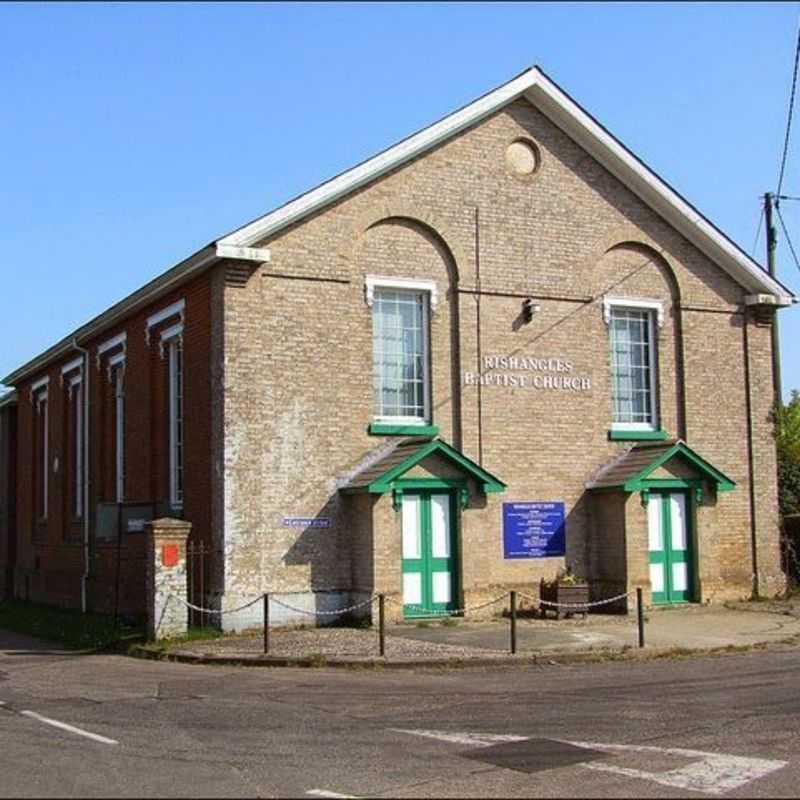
(563, 593)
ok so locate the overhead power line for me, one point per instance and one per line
(789, 115)
(758, 233)
(788, 238)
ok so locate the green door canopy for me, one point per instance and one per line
(387, 474)
(634, 470)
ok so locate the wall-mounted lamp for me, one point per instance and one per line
(529, 308)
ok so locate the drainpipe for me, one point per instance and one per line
(750, 458)
(85, 380)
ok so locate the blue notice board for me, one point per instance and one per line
(533, 530)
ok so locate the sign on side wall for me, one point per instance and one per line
(533, 530)
(306, 522)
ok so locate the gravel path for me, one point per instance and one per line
(363, 643)
(338, 642)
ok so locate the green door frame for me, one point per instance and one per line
(668, 556)
(424, 488)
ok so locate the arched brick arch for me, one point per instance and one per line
(446, 355)
(629, 235)
(673, 373)
(657, 257)
(426, 223)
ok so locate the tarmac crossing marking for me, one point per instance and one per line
(709, 773)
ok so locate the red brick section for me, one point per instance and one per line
(8, 484)
(50, 553)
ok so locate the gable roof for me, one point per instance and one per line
(544, 94)
(634, 466)
(564, 112)
(379, 477)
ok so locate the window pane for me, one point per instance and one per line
(399, 353)
(631, 366)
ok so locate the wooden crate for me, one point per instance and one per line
(563, 593)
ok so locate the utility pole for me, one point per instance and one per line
(772, 243)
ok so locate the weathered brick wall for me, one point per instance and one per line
(608, 553)
(298, 357)
(50, 559)
(8, 498)
(765, 461)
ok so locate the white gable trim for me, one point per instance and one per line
(389, 159)
(650, 188)
(575, 122)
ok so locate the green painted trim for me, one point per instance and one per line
(638, 436)
(426, 565)
(387, 481)
(407, 484)
(668, 556)
(654, 484)
(385, 429)
(724, 483)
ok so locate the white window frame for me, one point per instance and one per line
(173, 342)
(116, 369)
(177, 308)
(120, 340)
(115, 373)
(76, 399)
(39, 394)
(427, 289)
(655, 309)
(374, 282)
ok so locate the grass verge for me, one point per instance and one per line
(68, 627)
(197, 634)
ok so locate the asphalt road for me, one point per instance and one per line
(704, 727)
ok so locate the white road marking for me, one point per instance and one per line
(710, 773)
(470, 739)
(71, 728)
(326, 793)
(713, 773)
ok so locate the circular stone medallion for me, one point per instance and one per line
(522, 157)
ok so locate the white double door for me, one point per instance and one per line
(429, 562)
(669, 539)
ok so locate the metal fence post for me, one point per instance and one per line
(513, 623)
(381, 625)
(266, 623)
(640, 615)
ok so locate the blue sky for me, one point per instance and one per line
(132, 134)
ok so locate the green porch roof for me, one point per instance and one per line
(632, 470)
(381, 476)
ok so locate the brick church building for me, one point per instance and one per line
(498, 348)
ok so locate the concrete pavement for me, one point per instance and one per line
(690, 627)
